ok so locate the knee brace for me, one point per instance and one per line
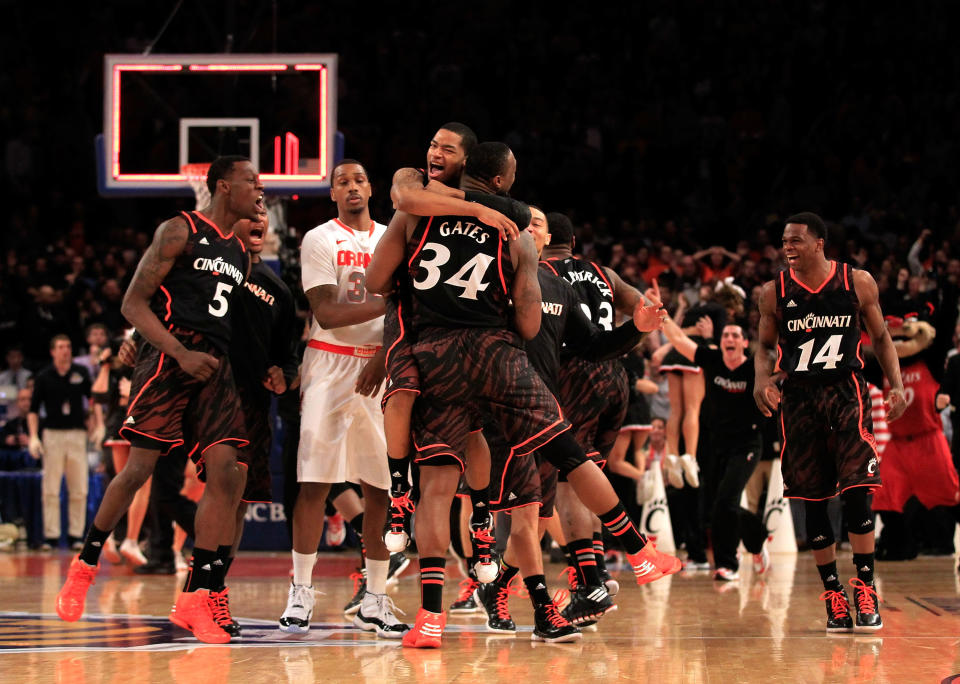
(563, 453)
(857, 510)
(819, 530)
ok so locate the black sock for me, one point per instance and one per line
(864, 564)
(399, 482)
(537, 588)
(598, 551)
(356, 523)
(829, 577)
(480, 503)
(218, 569)
(201, 566)
(432, 572)
(582, 550)
(93, 545)
(619, 524)
(227, 562)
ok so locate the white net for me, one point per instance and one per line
(197, 177)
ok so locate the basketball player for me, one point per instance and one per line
(526, 488)
(341, 435)
(464, 277)
(594, 397)
(264, 358)
(446, 157)
(180, 301)
(733, 431)
(810, 318)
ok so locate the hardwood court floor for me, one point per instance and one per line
(680, 629)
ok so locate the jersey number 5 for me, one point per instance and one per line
(469, 277)
(221, 301)
(829, 355)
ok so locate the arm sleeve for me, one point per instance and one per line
(284, 343)
(317, 261)
(37, 397)
(588, 341)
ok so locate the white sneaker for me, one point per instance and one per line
(726, 575)
(336, 532)
(673, 470)
(180, 563)
(110, 551)
(132, 552)
(761, 561)
(691, 470)
(376, 615)
(694, 566)
(296, 618)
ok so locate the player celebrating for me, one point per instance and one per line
(180, 301)
(810, 315)
(341, 435)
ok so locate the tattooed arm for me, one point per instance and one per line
(168, 243)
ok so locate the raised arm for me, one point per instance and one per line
(765, 391)
(868, 295)
(679, 339)
(406, 191)
(389, 254)
(625, 296)
(526, 287)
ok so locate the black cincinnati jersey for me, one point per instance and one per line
(460, 269)
(563, 321)
(265, 321)
(197, 293)
(819, 328)
(591, 285)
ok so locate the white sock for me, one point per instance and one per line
(377, 575)
(303, 568)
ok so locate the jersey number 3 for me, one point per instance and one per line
(220, 300)
(469, 277)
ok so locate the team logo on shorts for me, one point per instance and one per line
(872, 466)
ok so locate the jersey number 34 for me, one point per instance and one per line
(469, 277)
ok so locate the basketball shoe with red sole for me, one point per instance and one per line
(73, 594)
(193, 611)
(649, 564)
(426, 631)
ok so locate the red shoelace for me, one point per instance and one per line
(865, 596)
(838, 602)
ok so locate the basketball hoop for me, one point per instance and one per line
(197, 177)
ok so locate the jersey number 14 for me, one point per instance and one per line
(829, 355)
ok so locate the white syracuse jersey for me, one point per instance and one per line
(335, 254)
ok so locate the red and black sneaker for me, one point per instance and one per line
(220, 607)
(466, 603)
(550, 626)
(486, 566)
(396, 536)
(838, 611)
(867, 602)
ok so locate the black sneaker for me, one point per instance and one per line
(398, 563)
(552, 627)
(154, 567)
(359, 589)
(838, 611)
(866, 600)
(588, 603)
(466, 604)
(495, 597)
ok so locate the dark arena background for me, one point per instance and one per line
(676, 135)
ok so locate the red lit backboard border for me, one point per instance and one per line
(113, 180)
